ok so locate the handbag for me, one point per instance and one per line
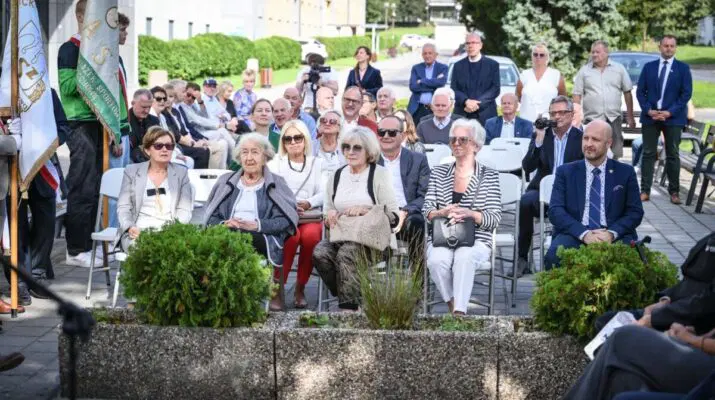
(370, 230)
(454, 236)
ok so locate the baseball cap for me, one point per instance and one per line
(209, 82)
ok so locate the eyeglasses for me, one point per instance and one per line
(539, 55)
(461, 140)
(356, 148)
(468, 43)
(326, 121)
(558, 113)
(354, 101)
(293, 139)
(389, 132)
(160, 99)
(159, 146)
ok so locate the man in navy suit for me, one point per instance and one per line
(664, 89)
(549, 149)
(508, 125)
(595, 200)
(476, 83)
(425, 78)
(410, 177)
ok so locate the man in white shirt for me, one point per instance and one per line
(434, 128)
(327, 80)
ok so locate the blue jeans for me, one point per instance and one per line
(118, 162)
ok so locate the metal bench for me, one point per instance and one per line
(708, 175)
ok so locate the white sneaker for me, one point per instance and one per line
(100, 253)
(82, 260)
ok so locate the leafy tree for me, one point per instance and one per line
(486, 16)
(655, 18)
(405, 11)
(568, 27)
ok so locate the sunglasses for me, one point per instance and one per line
(160, 99)
(356, 148)
(461, 140)
(328, 121)
(159, 146)
(389, 132)
(293, 139)
(539, 55)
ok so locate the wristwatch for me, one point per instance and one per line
(200, 102)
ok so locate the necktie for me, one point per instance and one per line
(661, 76)
(594, 209)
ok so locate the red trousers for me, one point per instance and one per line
(307, 237)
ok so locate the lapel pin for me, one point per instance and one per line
(610, 171)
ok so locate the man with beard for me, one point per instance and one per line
(595, 200)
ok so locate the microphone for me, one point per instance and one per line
(639, 247)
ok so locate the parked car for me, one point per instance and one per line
(414, 41)
(508, 73)
(311, 46)
(634, 62)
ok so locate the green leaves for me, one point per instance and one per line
(188, 276)
(594, 279)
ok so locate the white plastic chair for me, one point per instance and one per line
(109, 188)
(203, 180)
(510, 186)
(503, 158)
(545, 188)
(435, 153)
(521, 143)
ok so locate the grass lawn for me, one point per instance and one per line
(693, 55)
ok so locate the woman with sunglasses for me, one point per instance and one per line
(369, 107)
(352, 191)
(304, 176)
(538, 85)
(153, 192)
(464, 189)
(412, 141)
(326, 146)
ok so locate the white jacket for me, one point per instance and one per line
(313, 189)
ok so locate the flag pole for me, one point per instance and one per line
(14, 92)
(105, 167)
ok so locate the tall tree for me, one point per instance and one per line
(655, 18)
(486, 16)
(405, 11)
(568, 27)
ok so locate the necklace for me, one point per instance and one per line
(302, 166)
(250, 182)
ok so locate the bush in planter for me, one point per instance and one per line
(188, 276)
(594, 279)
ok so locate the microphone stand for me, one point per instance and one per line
(76, 321)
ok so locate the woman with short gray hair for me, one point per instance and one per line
(326, 146)
(353, 191)
(538, 85)
(253, 200)
(460, 191)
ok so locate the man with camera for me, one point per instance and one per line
(555, 142)
(313, 77)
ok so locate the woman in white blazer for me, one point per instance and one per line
(154, 192)
(304, 175)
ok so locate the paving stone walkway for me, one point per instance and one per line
(673, 229)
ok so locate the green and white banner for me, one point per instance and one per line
(98, 63)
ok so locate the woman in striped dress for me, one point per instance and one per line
(458, 191)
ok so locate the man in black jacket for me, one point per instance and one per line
(140, 121)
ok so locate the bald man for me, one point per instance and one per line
(508, 125)
(325, 99)
(595, 200)
(296, 102)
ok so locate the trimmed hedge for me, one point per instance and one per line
(342, 47)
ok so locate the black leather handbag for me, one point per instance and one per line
(453, 236)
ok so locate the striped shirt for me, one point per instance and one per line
(560, 149)
(486, 200)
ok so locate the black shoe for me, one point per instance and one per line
(36, 294)
(24, 298)
(522, 267)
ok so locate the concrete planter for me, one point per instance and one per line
(285, 360)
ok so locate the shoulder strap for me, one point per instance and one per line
(336, 179)
(310, 173)
(370, 180)
(480, 173)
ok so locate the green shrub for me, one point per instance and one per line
(342, 47)
(188, 276)
(277, 52)
(152, 55)
(594, 279)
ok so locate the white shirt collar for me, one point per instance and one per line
(590, 167)
(444, 121)
(396, 160)
(669, 60)
(475, 59)
(513, 120)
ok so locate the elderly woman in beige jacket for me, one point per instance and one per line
(353, 190)
(155, 192)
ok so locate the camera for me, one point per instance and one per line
(315, 71)
(544, 123)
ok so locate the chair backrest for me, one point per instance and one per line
(710, 138)
(503, 158)
(203, 180)
(510, 186)
(697, 128)
(111, 183)
(545, 187)
(521, 143)
(436, 152)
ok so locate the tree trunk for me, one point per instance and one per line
(645, 36)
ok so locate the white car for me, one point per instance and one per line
(312, 46)
(414, 41)
(633, 62)
(508, 74)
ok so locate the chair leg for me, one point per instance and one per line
(91, 270)
(703, 195)
(425, 290)
(320, 296)
(116, 286)
(491, 278)
(105, 263)
(541, 236)
(693, 186)
(515, 263)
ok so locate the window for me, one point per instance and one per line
(191, 30)
(208, 28)
(148, 26)
(171, 29)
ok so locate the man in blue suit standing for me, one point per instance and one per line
(664, 89)
(476, 83)
(425, 78)
(595, 200)
(508, 125)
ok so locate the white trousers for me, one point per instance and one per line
(452, 271)
(224, 136)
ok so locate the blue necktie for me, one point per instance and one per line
(594, 209)
(661, 77)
